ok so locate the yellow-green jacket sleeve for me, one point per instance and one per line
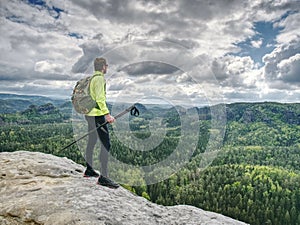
(98, 93)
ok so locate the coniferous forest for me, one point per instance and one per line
(255, 177)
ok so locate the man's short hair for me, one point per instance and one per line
(99, 63)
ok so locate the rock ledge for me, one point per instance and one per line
(38, 188)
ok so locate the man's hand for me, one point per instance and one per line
(109, 118)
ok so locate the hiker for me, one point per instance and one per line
(97, 116)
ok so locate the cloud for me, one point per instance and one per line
(290, 27)
(37, 87)
(48, 67)
(289, 69)
(167, 48)
(150, 68)
(235, 71)
(90, 51)
(282, 66)
(256, 43)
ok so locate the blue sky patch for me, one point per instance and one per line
(75, 35)
(53, 11)
(264, 41)
(260, 44)
(37, 2)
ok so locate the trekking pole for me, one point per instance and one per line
(133, 111)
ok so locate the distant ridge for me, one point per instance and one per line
(239, 111)
(12, 103)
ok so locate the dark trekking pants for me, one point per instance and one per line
(103, 135)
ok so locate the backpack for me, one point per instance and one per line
(82, 101)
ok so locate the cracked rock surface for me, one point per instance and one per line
(38, 188)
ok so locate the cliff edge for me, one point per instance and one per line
(38, 188)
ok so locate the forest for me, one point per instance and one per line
(254, 178)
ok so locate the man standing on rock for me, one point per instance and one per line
(96, 117)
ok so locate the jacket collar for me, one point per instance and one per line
(98, 73)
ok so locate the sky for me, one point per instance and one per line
(184, 52)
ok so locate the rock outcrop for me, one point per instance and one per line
(37, 188)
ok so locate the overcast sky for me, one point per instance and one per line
(182, 52)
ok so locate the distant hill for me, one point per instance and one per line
(11, 103)
(267, 112)
(12, 106)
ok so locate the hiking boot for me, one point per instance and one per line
(104, 181)
(90, 172)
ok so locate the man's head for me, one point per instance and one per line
(100, 65)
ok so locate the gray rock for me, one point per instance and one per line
(38, 188)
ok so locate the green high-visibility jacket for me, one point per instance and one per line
(98, 93)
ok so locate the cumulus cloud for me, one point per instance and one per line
(257, 43)
(291, 28)
(168, 48)
(282, 66)
(150, 68)
(235, 71)
(289, 69)
(48, 67)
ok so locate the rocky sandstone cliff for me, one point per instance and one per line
(37, 188)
